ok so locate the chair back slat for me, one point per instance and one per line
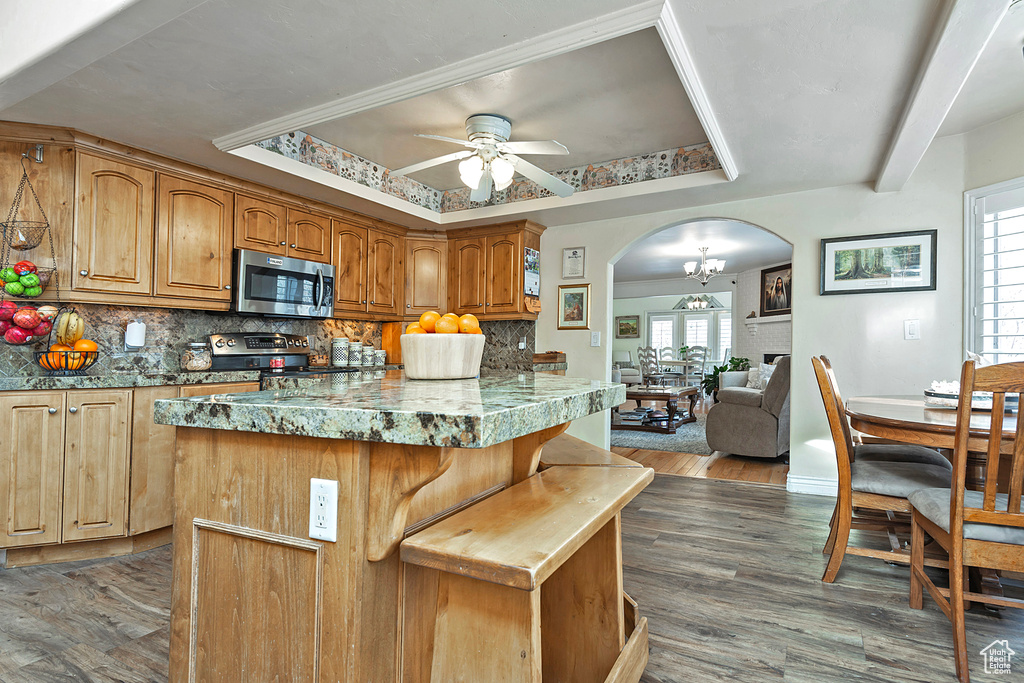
(648, 359)
(840, 406)
(836, 415)
(1000, 380)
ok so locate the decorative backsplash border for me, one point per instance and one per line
(313, 151)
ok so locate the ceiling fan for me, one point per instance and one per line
(491, 160)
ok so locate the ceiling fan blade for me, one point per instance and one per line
(483, 191)
(533, 147)
(442, 138)
(436, 161)
(540, 176)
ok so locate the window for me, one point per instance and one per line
(724, 335)
(696, 330)
(663, 328)
(995, 272)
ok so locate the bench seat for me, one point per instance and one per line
(568, 450)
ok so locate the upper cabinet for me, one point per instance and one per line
(504, 273)
(194, 240)
(487, 269)
(466, 286)
(260, 225)
(309, 236)
(385, 275)
(426, 275)
(112, 248)
(350, 251)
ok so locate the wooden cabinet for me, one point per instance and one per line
(66, 466)
(96, 464)
(217, 388)
(112, 248)
(31, 458)
(504, 273)
(466, 286)
(350, 249)
(426, 275)
(194, 240)
(260, 225)
(385, 273)
(309, 236)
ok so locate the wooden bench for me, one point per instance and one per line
(568, 450)
(527, 585)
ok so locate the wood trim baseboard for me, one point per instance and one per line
(87, 550)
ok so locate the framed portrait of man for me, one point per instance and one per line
(777, 290)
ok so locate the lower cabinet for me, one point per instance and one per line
(88, 465)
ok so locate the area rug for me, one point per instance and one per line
(689, 438)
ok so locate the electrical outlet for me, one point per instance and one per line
(323, 509)
(522, 343)
(595, 338)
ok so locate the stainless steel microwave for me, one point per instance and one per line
(266, 284)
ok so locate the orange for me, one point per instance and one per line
(469, 316)
(49, 361)
(60, 347)
(474, 330)
(446, 326)
(412, 326)
(452, 316)
(428, 319)
(86, 345)
(415, 330)
(467, 326)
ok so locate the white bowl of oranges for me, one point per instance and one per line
(443, 347)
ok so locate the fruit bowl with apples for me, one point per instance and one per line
(25, 280)
(23, 323)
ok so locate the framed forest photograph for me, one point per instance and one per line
(891, 262)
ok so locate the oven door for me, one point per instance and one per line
(266, 284)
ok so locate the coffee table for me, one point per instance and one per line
(671, 396)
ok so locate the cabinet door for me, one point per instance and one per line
(259, 225)
(350, 254)
(426, 276)
(194, 239)
(96, 464)
(466, 286)
(385, 275)
(309, 236)
(113, 235)
(31, 455)
(151, 490)
(504, 273)
(218, 388)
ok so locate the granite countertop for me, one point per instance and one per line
(469, 413)
(125, 380)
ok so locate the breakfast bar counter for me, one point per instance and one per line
(255, 597)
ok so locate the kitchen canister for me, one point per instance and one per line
(197, 357)
(355, 353)
(380, 357)
(339, 352)
(368, 356)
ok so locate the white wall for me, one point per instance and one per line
(772, 334)
(643, 305)
(995, 152)
(862, 334)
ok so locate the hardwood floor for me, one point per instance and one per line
(728, 575)
(714, 466)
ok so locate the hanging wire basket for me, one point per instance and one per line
(24, 235)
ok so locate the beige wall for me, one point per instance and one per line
(995, 152)
(862, 334)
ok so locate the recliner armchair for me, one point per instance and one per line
(753, 422)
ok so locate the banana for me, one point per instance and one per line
(60, 327)
(68, 327)
(76, 328)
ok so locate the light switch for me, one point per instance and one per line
(911, 329)
(595, 338)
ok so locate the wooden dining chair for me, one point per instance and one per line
(869, 484)
(697, 357)
(977, 528)
(670, 375)
(647, 357)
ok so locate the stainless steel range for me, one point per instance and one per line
(268, 351)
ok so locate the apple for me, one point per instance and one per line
(29, 280)
(15, 288)
(27, 318)
(4, 326)
(7, 309)
(33, 292)
(24, 267)
(8, 275)
(46, 312)
(42, 329)
(17, 335)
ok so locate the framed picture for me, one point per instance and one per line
(573, 260)
(892, 262)
(627, 327)
(574, 307)
(777, 290)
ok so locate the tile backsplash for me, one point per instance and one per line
(169, 330)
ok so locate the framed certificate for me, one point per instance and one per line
(573, 260)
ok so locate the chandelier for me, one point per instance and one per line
(697, 304)
(708, 268)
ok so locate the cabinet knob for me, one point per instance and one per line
(283, 243)
(227, 286)
(364, 301)
(408, 305)
(480, 304)
(373, 303)
(72, 409)
(291, 246)
(52, 411)
(83, 273)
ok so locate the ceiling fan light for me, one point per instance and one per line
(471, 170)
(502, 172)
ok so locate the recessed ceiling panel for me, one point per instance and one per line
(607, 101)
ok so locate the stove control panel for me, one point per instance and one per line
(258, 344)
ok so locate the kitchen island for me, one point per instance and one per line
(254, 593)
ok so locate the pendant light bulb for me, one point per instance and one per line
(471, 170)
(502, 172)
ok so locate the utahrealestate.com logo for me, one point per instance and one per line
(997, 657)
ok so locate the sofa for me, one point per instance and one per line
(627, 376)
(748, 420)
